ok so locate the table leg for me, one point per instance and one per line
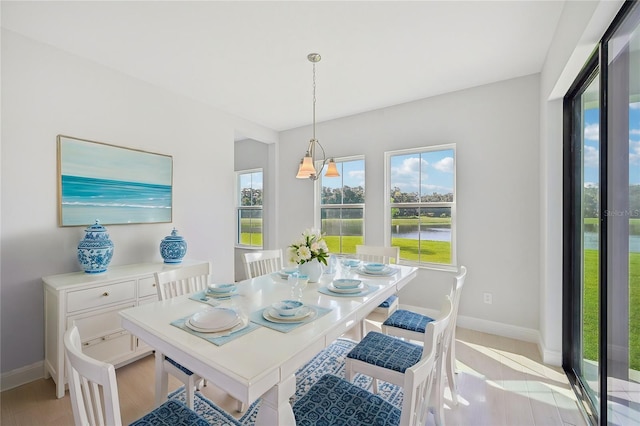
(275, 408)
(162, 380)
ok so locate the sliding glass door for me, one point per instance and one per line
(601, 332)
(583, 126)
(622, 50)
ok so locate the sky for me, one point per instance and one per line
(351, 174)
(426, 173)
(592, 143)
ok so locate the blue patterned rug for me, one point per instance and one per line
(330, 360)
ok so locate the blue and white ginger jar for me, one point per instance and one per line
(95, 250)
(173, 248)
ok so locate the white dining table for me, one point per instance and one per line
(263, 362)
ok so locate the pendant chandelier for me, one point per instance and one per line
(307, 168)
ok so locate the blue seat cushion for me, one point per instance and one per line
(386, 351)
(171, 413)
(185, 370)
(408, 320)
(387, 303)
(334, 401)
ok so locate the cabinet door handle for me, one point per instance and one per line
(154, 284)
(106, 293)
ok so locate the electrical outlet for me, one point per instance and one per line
(488, 298)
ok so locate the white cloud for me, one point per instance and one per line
(445, 165)
(592, 132)
(356, 177)
(634, 105)
(634, 152)
(634, 132)
(591, 156)
(406, 174)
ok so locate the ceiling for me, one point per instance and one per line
(250, 58)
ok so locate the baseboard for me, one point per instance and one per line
(21, 376)
(500, 329)
(550, 357)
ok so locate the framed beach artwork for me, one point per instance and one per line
(112, 184)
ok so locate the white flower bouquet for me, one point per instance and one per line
(311, 246)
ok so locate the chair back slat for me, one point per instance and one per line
(182, 280)
(92, 385)
(456, 292)
(378, 254)
(263, 262)
(422, 381)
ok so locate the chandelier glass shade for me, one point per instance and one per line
(306, 169)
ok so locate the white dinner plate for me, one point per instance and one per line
(215, 319)
(362, 287)
(272, 315)
(241, 323)
(386, 272)
(285, 272)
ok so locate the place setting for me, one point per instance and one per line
(218, 325)
(285, 273)
(286, 315)
(214, 293)
(374, 269)
(348, 287)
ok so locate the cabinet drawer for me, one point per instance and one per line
(111, 349)
(101, 296)
(147, 287)
(96, 325)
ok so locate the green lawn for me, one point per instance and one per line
(590, 308)
(440, 252)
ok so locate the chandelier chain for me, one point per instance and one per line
(314, 100)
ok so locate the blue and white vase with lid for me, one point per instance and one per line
(95, 250)
(173, 248)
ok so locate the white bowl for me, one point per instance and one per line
(351, 263)
(287, 308)
(221, 288)
(374, 267)
(345, 283)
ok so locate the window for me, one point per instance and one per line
(601, 294)
(249, 207)
(421, 211)
(342, 206)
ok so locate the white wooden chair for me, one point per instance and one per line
(93, 389)
(262, 262)
(381, 254)
(391, 359)
(172, 283)
(378, 254)
(411, 325)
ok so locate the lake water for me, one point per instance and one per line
(591, 242)
(429, 234)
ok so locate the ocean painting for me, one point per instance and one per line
(112, 184)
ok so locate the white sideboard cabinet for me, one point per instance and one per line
(92, 302)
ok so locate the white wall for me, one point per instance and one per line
(496, 131)
(46, 92)
(580, 27)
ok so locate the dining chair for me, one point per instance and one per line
(93, 389)
(390, 358)
(262, 262)
(386, 255)
(172, 283)
(411, 325)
